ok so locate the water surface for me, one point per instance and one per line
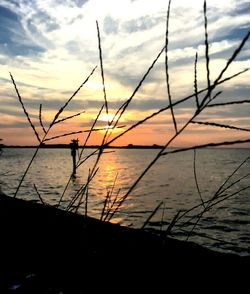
(226, 226)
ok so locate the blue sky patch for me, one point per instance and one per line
(13, 38)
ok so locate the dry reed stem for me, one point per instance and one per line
(79, 132)
(224, 143)
(40, 119)
(196, 180)
(196, 82)
(230, 60)
(102, 70)
(207, 48)
(200, 107)
(172, 224)
(46, 133)
(24, 109)
(114, 202)
(231, 175)
(124, 106)
(108, 199)
(206, 100)
(72, 96)
(168, 107)
(151, 215)
(167, 67)
(220, 125)
(217, 196)
(159, 154)
(69, 117)
(39, 195)
(228, 103)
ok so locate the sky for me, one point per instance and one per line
(51, 46)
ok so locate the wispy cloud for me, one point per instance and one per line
(50, 46)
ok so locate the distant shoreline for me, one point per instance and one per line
(130, 146)
(67, 146)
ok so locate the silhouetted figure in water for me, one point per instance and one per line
(1, 145)
(74, 146)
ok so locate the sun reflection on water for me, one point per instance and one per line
(170, 180)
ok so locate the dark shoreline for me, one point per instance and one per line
(67, 146)
(65, 252)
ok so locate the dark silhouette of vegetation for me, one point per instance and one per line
(203, 98)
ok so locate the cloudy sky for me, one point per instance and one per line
(51, 46)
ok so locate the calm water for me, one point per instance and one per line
(171, 180)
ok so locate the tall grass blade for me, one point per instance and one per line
(196, 83)
(220, 125)
(72, 96)
(225, 143)
(172, 224)
(124, 106)
(39, 195)
(151, 215)
(167, 69)
(138, 123)
(230, 176)
(207, 49)
(233, 57)
(228, 103)
(24, 109)
(68, 117)
(107, 199)
(196, 180)
(40, 119)
(102, 70)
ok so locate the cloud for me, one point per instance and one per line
(50, 45)
(14, 125)
(110, 25)
(140, 24)
(13, 38)
(241, 9)
(80, 3)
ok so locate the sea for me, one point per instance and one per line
(201, 196)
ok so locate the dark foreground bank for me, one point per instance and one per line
(47, 250)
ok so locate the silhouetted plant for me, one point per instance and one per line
(204, 98)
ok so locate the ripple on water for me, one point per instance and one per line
(171, 180)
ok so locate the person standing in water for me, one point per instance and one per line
(74, 147)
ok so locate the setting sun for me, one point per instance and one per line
(51, 60)
(130, 112)
(106, 117)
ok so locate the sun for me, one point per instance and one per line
(106, 117)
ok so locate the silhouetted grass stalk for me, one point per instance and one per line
(154, 114)
(112, 204)
(196, 180)
(49, 128)
(40, 119)
(166, 67)
(220, 125)
(217, 198)
(204, 103)
(102, 71)
(39, 195)
(151, 215)
(195, 82)
(207, 48)
(80, 161)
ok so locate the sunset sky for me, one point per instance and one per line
(51, 46)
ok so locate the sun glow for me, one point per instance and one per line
(106, 117)
(109, 119)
